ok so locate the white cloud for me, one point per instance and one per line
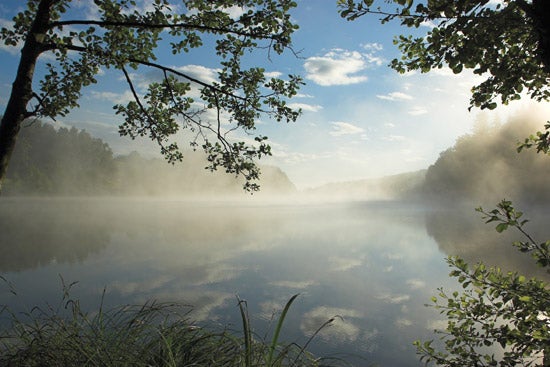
(394, 298)
(302, 95)
(395, 96)
(416, 283)
(371, 55)
(293, 284)
(428, 23)
(305, 107)
(342, 263)
(337, 67)
(235, 12)
(495, 2)
(373, 46)
(204, 74)
(117, 98)
(273, 74)
(144, 6)
(416, 111)
(340, 330)
(402, 322)
(444, 71)
(88, 7)
(340, 128)
(394, 138)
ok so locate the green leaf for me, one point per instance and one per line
(501, 227)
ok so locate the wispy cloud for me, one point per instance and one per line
(402, 322)
(395, 96)
(375, 46)
(340, 128)
(428, 23)
(204, 74)
(337, 67)
(338, 263)
(305, 107)
(88, 8)
(372, 50)
(394, 138)
(416, 111)
(341, 330)
(394, 298)
(117, 98)
(416, 283)
(273, 74)
(293, 284)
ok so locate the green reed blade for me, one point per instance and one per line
(278, 330)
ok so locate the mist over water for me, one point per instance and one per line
(368, 253)
(373, 264)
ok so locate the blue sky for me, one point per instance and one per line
(360, 119)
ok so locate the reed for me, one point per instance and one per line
(151, 334)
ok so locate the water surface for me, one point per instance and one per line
(374, 265)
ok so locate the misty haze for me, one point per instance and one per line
(369, 251)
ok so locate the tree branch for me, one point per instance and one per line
(157, 66)
(150, 120)
(124, 24)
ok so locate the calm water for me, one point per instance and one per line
(373, 264)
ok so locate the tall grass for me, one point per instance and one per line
(151, 334)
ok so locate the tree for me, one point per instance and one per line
(125, 37)
(509, 42)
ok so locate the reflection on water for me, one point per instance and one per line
(464, 233)
(372, 266)
(36, 233)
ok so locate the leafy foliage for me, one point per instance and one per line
(541, 140)
(507, 42)
(125, 36)
(495, 308)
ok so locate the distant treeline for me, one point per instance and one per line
(482, 168)
(50, 161)
(485, 166)
(401, 186)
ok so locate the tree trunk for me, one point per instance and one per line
(21, 92)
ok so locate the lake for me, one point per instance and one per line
(373, 264)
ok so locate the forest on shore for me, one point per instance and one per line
(69, 161)
(482, 167)
(485, 166)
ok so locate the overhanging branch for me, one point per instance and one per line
(144, 25)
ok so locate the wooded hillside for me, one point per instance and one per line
(49, 161)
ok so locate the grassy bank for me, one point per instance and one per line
(152, 334)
